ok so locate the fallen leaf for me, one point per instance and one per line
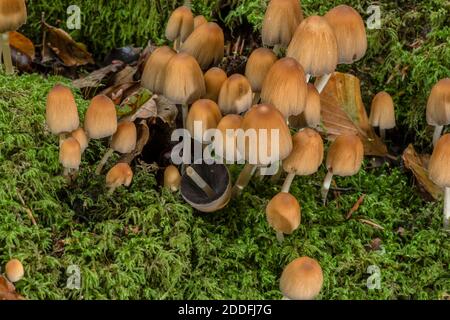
(22, 44)
(120, 92)
(126, 75)
(134, 102)
(97, 77)
(355, 207)
(8, 291)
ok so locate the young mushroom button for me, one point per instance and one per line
(302, 279)
(14, 270)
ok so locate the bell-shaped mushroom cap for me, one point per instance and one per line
(302, 279)
(172, 178)
(226, 148)
(184, 82)
(314, 46)
(280, 22)
(214, 79)
(81, 137)
(438, 107)
(258, 65)
(345, 155)
(206, 44)
(382, 112)
(199, 21)
(124, 140)
(70, 153)
(236, 95)
(285, 87)
(119, 175)
(61, 112)
(313, 107)
(180, 24)
(259, 124)
(13, 14)
(206, 112)
(284, 213)
(439, 166)
(14, 270)
(100, 120)
(350, 31)
(155, 69)
(307, 153)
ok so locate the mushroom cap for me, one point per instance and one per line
(345, 155)
(281, 19)
(285, 87)
(302, 279)
(382, 112)
(307, 153)
(124, 140)
(438, 106)
(205, 111)
(13, 14)
(283, 213)
(119, 175)
(184, 82)
(350, 31)
(61, 111)
(70, 153)
(258, 65)
(100, 120)
(311, 116)
(214, 79)
(172, 178)
(262, 120)
(14, 270)
(226, 148)
(81, 137)
(235, 95)
(314, 46)
(206, 44)
(439, 166)
(199, 21)
(155, 69)
(180, 24)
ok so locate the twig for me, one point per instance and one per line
(355, 207)
(27, 210)
(370, 223)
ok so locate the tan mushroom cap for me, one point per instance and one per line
(314, 46)
(199, 21)
(439, 166)
(345, 155)
(119, 175)
(172, 178)
(206, 44)
(438, 107)
(100, 120)
(258, 65)
(180, 24)
(280, 22)
(70, 153)
(307, 153)
(81, 137)
(235, 95)
(227, 148)
(214, 79)
(312, 112)
(205, 111)
(13, 14)
(350, 32)
(61, 111)
(382, 113)
(155, 69)
(14, 270)
(302, 279)
(124, 140)
(184, 82)
(285, 87)
(283, 213)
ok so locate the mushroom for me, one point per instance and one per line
(119, 175)
(314, 46)
(214, 79)
(283, 213)
(155, 69)
(235, 95)
(172, 178)
(382, 113)
(305, 158)
(13, 14)
(14, 270)
(439, 172)
(311, 116)
(206, 44)
(302, 279)
(205, 113)
(227, 148)
(184, 82)
(61, 112)
(81, 137)
(258, 65)
(70, 155)
(438, 107)
(123, 141)
(344, 159)
(100, 120)
(285, 87)
(199, 21)
(180, 26)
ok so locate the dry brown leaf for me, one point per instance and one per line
(355, 207)
(8, 291)
(22, 44)
(95, 79)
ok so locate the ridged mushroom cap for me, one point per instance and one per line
(382, 113)
(70, 154)
(312, 112)
(13, 14)
(226, 148)
(154, 72)
(235, 95)
(119, 175)
(124, 140)
(81, 137)
(214, 79)
(258, 65)
(206, 112)
(345, 155)
(438, 106)
(439, 166)
(100, 120)
(302, 279)
(199, 21)
(180, 24)
(61, 112)
(283, 213)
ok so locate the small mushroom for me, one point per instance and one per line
(311, 116)
(119, 175)
(207, 114)
(214, 79)
(180, 26)
(172, 178)
(81, 137)
(100, 120)
(258, 65)
(302, 279)
(14, 270)
(199, 21)
(155, 69)
(283, 213)
(382, 113)
(438, 107)
(70, 156)
(236, 95)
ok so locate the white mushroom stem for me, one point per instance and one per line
(102, 162)
(202, 184)
(437, 134)
(285, 298)
(280, 237)
(177, 44)
(256, 97)
(185, 111)
(323, 80)
(244, 179)
(288, 182)
(326, 186)
(66, 172)
(447, 208)
(276, 177)
(6, 49)
(308, 77)
(188, 3)
(112, 189)
(383, 134)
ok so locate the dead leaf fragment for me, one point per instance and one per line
(355, 207)
(96, 78)
(22, 44)
(8, 291)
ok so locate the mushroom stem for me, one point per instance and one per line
(383, 134)
(202, 184)
(66, 172)
(176, 44)
(256, 97)
(102, 162)
(288, 182)
(276, 177)
(437, 134)
(188, 3)
(7, 60)
(280, 237)
(112, 189)
(447, 208)
(326, 186)
(244, 178)
(277, 50)
(322, 83)
(185, 111)
(308, 77)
